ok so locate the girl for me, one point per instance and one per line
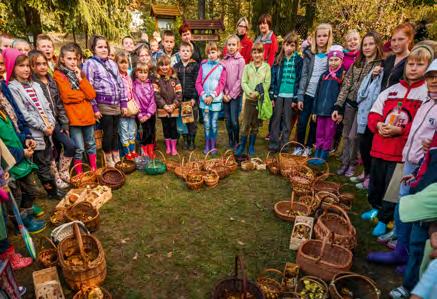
(352, 48)
(390, 121)
(61, 138)
(267, 38)
(327, 91)
(127, 128)
(370, 56)
(315, 63)
(246, 42)
(77, 94)
(145, 97)
(111, 96)
(210, 84)
(36, 111)
(285, 82)
(256, 79)
(234, 64)
(142, 54)
(168, 94)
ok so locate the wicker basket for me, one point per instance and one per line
(323, 287)
(272, 164)
(259, 164)
(84, 294)
(47, 256)
(195, 162)
(85, 212)
(211, 179)
(141, 162)
(156, 166)
(319, 170)
(66, 230)
(301, 179)
(334, 220)
(288, 161)
(172, 164)
(237, 286)
(346, 196)
(126, 166)
(269, 283)
(327, 198)
(288, 210)
(212, 163)
(82, 260)
(323, 259)
(311, 201)
(321, 184)
(182, 170)
(248, 165)
(360, 286)
(289, 295)
(231, 163)
(81, 180)
(194, 179)
(112, 177)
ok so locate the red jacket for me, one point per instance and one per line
(411, 97)
(271, 46)
(245, 49)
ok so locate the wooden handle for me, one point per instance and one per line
(78, 236)
(75, 166)
(270, 270)
(239, 265)
(291, 142)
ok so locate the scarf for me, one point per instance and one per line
(71, 76)
(333, 74)
(6, 107)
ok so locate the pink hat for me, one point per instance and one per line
(10, 56)
(337, 51)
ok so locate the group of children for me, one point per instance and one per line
(378, 105)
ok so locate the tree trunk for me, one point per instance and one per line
(201, 9)
(294, 8)
(33, 21)
(310, 13)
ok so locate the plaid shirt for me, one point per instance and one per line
(109, 90)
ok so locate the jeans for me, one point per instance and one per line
(61, 139)
(281, 123)
(110, 132)
(232, 112)
(83, 136)
(304, 117)
(325, 133)
(127, 129)
(210, 126)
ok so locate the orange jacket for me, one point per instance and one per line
(77, 102)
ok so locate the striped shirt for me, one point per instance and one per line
(32, 94)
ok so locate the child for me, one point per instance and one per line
(155, 50)
(168, 43)
(61, 137)
(346, 104)
(111, 96)
(77, 93)
(185, 33)
(315, 63)
(145, 97)
(128, 46)
(256, 79)
(234, 64)
(390, 121)
(36, 111)
(45, 44)
(187, 70)
(210, 85)
(246, 42)
(127, 128)
(22, 46)
(142, 54)
(326, 95)
(267, 38)
(352, 48)
(285, 81)
(168, 94)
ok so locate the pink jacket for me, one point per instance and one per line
(144, 95)
(234, 65)
(349, 59)
(127, 81)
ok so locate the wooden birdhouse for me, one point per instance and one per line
(205, 30)
(165, 15)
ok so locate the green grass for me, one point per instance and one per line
(164, 241)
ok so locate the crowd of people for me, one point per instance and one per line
(373, 102)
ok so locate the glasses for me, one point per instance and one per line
(242, 26)
(431, 77)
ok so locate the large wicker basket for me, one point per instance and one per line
(82, 260)
(172, 164)
(301, 178)
(84, 294)
(287, 161)
(112, 177)
(81, 180)
(269, 281)
(126, 166)
(288, 210)
(360, 286)
(85, 212)
(47, 256)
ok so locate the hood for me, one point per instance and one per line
(10, 56)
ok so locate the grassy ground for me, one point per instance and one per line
(163, 241)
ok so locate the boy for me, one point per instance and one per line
(21, 45)
(168, 43)
(128, 47)
(187, 70)
(45, 44)
(156, 52)
(185, 32)
(5, 41)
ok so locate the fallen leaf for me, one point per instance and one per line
(231, 218)
(124, 241)
(149, 255)
(243, 221)
(170, 254)
(135, 256)
(240, 243)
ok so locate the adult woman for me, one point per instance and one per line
(267, 38)
(246, 42)
(111, 99)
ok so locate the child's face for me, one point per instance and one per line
(69, 59)
(2, 66)
(353, 42)
(22, 70)
(102, 49)
(369, 47)
(128, 45)
(399, 42)
(186, 36)
(22, 47)
(232, 46)
(289, 48)
(264, 27)
(112, 55)
(168, 43)
(415, 69)
(165, 68)
(322, 37)
(123, 65)
(154, 46)
(142, 74)
(257, 56)
(334, 62)
(6, 42)
(144, 56)
(431, 81)
(185, 53)
(213, 55)
(46, 47)
(40, 68)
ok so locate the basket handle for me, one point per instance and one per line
(207, 154)
(225, 154)
(270, 270)
(227, 159)
(44, 238)
(341, 186)
(341, 211)
(239, 265)
(162, 155)
(78, 236)
(75, 166)
(291, 142)
(341, 275)
(190, 156)
(325, 163)
(324, 242)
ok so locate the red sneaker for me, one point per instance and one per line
(17, 260)
(129, 157)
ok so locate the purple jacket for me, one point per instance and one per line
(234, 65)
(109, 86)
(144, 95)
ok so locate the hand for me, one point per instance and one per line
(168, 108)
(300, 106)
(426, 144)
(408, 179)
(337, 117)
(293, 105)
(255, 95)
(376, 70)
(193, 102)
(6, 176)
(144, 119)
(433, 240)
(28, 153)
(314, 117)
(387, 130)
(48, 131)
(226, 98)
(273, 103)
(30, 143)
(66, 132)
(123, 111)
(78, 74)
(98, 115)
(208, 100)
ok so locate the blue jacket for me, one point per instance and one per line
(327, 93)
(277, 77)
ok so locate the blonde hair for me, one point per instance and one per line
(211, 46)
(243, 19)
(258, 47)
(140, 66)
(323, 26)
(349, 33)
(424, 51)
(233, 36)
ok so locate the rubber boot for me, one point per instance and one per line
(186, 141)
(317, 154)
(399, 256)
(174, 150)
(126, 152)
(151, 151)
(145, 149)
(380, 229)
(64, 168)
(213, 148)
(77, 164)
(17, 260)
(93, 161)
(167, 146)
(132, 150)
(252, 139)
(207, 146)
(369, 215)
(241, 147)
(33, 225)
(324, 155)
(37, 211)
(59, 182)
(116, 156)
(192, 142)
(109, 162)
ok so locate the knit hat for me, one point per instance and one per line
(10, 56)
(337, 51)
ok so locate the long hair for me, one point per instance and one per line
(20, 59)
(290, 38)
(323, 26)
(378, 42)
(70, 47)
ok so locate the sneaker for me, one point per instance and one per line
(37, 211)
(298, 151)
(384, 239)
(358, 179)
(307, 152)
(380, 229)
(350, 172)
(369, 215)
(399, 293)
(364, 185)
